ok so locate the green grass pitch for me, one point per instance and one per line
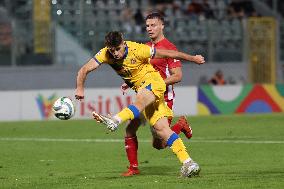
(240, 151)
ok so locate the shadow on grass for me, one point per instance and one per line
(159, 170)
(147, 171)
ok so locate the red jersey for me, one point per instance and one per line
(163, 65)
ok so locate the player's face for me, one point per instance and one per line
(117, 52)
(154, 28)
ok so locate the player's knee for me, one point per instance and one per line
(159, 144)
(140, 105)
(132, 127)
(130, 132)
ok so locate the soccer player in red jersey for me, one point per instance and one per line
(171, 72)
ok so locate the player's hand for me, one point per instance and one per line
(79, 94)
(198, 59)
(124, 88)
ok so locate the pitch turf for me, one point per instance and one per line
(233, 152)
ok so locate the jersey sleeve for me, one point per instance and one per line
(146, 52)
(101, 56)
(174, 63)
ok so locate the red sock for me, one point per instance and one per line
(131, 148)
(176, 128)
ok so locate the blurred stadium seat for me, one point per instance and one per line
(215, 33)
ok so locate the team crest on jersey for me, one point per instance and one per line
(133, 61)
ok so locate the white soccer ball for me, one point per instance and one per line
(63, 108)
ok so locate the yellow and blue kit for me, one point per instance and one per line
(136, 70)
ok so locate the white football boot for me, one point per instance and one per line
(190, 169)
(111, 124)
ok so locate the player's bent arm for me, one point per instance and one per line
(82, 75)
(175, 76)
(162, 53)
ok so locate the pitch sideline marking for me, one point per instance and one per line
(200, 140)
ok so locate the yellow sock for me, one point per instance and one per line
(125, 115)
(130, 112)
(178, 147)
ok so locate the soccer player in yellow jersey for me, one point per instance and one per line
(131, 61)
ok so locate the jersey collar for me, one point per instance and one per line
(157, 43)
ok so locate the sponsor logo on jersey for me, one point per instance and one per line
(133, 61)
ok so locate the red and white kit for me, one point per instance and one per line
(163, 65)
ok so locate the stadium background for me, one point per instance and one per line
(44, 42)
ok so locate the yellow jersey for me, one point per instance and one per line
(134, 65)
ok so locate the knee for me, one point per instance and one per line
(139, 104)
(158, 147)
(132, 128)
(159, 144)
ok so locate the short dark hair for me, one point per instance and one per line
(113, 39)
(157, 15)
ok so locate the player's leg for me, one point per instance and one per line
(181, 125)
(131, 147)
(144, 97)
(157, 141)
(157, 114)
(151, 89)
(189, 168)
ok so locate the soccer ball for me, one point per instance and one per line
(63, 108)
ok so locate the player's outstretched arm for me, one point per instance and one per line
(162, 53)
(82, 75)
